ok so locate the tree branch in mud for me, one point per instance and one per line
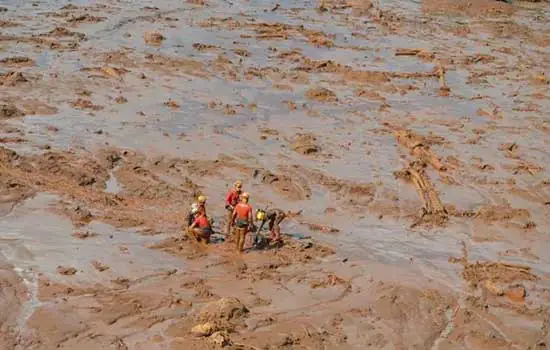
(433, 210)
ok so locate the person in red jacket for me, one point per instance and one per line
(200, 229)
(231, 200)
(242, 217)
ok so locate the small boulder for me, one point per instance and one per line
(204, 329)
(153, 38)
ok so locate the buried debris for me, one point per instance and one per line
(433, 210)
(8, 111)
(419, 147)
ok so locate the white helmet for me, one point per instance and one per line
(194, 208)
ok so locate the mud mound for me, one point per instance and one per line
(67, 167)
(84, 18)
(496, 272)
(169, 64)
(18, 61)
(321, 94)
(12, 192)
(12, 79)
(305, 144)
(496, 213)
(84, 104)
(8, 111)
(137, 181)
(64, 32)
(290, 187)
(227, 309)
(153, 38)
(353, 193)
(468, 8)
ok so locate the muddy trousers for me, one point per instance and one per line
(274, 226)
(241, 238)
(229, 226)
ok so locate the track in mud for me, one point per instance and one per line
(411, 138)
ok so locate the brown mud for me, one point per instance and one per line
(406, 141)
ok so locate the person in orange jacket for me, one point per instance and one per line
(200, 229)
(231, 201)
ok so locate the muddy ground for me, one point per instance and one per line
(410, 139)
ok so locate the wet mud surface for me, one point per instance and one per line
(407, 140)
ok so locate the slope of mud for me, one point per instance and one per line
(406, 141)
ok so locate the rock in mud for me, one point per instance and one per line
(85, 104)
(321, 95)
(66, 271)
(153, 38)
(223, 309)
(172, 104)
(99, 266)
(8, 111)
(204, 329)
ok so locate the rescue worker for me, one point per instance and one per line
(274, 217)
(200, 229)
(231, 200)
(192, 214)
(242, 219)
(201, 200)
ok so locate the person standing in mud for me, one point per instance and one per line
(274, 217)
(242, 218)
(231, 201)
(200, 229)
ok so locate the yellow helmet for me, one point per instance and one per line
(201, 199)
(260, 215)
(238, 184)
